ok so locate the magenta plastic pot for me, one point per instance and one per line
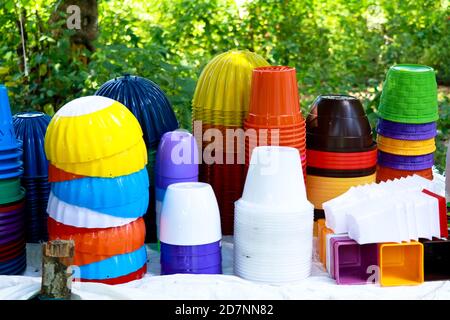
(352, 261)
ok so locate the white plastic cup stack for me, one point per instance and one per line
(273, 228)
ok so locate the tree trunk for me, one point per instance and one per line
(57, 257)
(88, 31)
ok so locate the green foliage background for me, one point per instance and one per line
(337, 46)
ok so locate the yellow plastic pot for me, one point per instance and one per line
(90, 128)
(124, 163)
(406, 147)
(225, 83)
(401, 264)
(321, 189)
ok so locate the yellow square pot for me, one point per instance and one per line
(401, 264)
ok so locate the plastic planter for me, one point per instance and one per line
(352, 260)
(436, 259)
(401, 264)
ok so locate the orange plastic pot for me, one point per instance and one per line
(82, 258)
(341, 160)
(385, 173)
(321, 189)
(103, 242)
(57, 175)
(301, 125)
(274, 97)
(322, 232)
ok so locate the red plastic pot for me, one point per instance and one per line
(341, 160)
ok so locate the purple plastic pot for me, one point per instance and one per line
(7, 238)
(211, 270)
(403, 131)
(7, 229)
(352, 261)
(5, 215)
(177, 155)
(200, 250)
(163, 182)
(405, 162)
(11, 219)
(191, 262)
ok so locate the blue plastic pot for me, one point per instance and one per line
(114, 267)
(30, 127)
(95, 193)
(146, 101)
(8, 140)
(125, 196)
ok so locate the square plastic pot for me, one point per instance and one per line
(442, 212)
(322, 243)
(352, 261)
(401, 264)
(436, 259)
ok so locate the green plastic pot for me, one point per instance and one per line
(11, 191)
(409, 95)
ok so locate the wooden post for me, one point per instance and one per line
(57, 256)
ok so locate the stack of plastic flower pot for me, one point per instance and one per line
(274, 117)
(154, 112)
(176, 161)
(406, 129)
(341, 152)
(30, 128)
(190, 231)
(99, 189)
(273, 219)
(12, 219)
(389, 217)
(220, 105)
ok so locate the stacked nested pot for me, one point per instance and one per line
(273, 220)
(341, 152)
(30, 128)
(12, 218)
(219, 107)
(176, 162)
(274, 115)
(406, 129)
(99, 188)
(190, 230)
(152, 108)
